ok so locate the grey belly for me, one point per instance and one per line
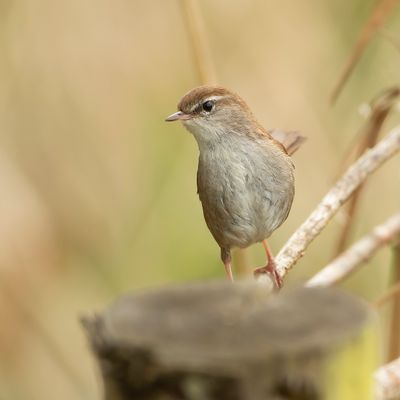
(242, 207)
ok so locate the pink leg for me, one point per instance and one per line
(226, 259)
(228, 270)
(270, 268)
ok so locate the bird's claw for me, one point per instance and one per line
(270, 270)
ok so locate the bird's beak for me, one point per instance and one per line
(178, 115)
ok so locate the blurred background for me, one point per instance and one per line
(98, 193)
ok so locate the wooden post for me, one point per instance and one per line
(219, 341)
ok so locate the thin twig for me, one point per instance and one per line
(199, 45)
(380, 109)
(387, 381)
(375, 21)
(357, 254)
(295, 247)
(394, 335)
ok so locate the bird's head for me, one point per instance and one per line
(212, 112)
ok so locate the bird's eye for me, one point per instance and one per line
(208, 105)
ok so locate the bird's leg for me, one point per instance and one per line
(227, 260)
(270, 267)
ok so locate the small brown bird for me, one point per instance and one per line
(245, 175)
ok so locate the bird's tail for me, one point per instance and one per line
(291, 141)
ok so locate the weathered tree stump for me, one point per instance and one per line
(219, 341)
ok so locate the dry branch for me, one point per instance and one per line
(387, 380)
(375, 113)
(380, 109)
(360, 252)
(295, 247)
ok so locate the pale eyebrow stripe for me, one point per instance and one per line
(213, 98)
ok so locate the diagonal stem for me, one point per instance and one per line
(361, 251)
(296, 246)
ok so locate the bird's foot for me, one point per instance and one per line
(270, 269)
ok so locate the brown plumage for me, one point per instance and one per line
(245, 175)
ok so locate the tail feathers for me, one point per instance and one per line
(291, 141)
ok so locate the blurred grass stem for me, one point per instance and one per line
(381, 11)
(36, 328)
(204, 64)
(387, 296)
(380, 109)
(203, 61)
(394, 339)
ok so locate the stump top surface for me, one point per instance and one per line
(210, 320)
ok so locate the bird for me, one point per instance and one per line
(245, 176)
